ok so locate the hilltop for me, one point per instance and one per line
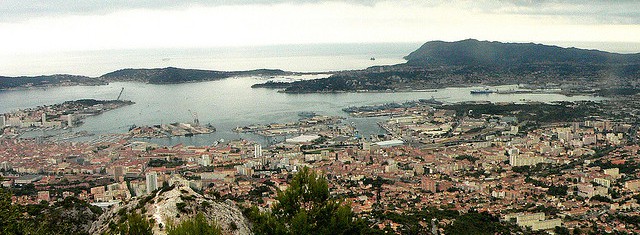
(439, 64)
(474, 52)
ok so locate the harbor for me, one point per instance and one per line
(253, 107)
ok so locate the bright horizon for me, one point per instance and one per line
(35, 30)
(65, 25)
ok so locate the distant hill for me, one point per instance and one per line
(438, 64)
(172, 75)
(163, 75)
(168, 75)
(474, 52)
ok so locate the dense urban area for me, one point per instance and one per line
(566, 167)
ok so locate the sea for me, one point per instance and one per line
(230, 103)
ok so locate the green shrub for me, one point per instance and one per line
(195, 225)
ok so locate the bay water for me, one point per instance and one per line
(231, 102)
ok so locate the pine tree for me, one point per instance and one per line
(306, 208)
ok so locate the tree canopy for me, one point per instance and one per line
(305, 207)
(69, 216)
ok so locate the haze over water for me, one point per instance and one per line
(298, 58)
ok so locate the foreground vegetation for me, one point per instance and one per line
(70, 216)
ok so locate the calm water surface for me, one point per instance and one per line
(230, 103)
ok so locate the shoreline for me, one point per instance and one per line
(541, 90)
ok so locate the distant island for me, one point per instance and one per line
(169, 75)
(438, 64)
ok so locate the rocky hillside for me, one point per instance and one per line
(172, 205)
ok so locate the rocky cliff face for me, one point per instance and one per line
(172, 205)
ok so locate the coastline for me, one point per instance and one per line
(27, 88)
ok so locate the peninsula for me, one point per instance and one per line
(469, 62)
(169, 75)
(57, 116)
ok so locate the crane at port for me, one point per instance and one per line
(120, 94)
(195, 118)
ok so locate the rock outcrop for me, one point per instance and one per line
(172, 205)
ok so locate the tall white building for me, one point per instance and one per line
(257, 151)
(3, 121)
(152, 181)
(70, 120)
(13, 121)
(5, 166)
(516, 160)
(535, 221)
(513, 151)
(206, 160)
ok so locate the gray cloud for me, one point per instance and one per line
(24, 9)
(581, 11)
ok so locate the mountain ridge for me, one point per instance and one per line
(472, 51)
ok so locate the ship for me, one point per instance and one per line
(485, 91)
(431, 101)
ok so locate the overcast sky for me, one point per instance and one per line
(72, 25)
